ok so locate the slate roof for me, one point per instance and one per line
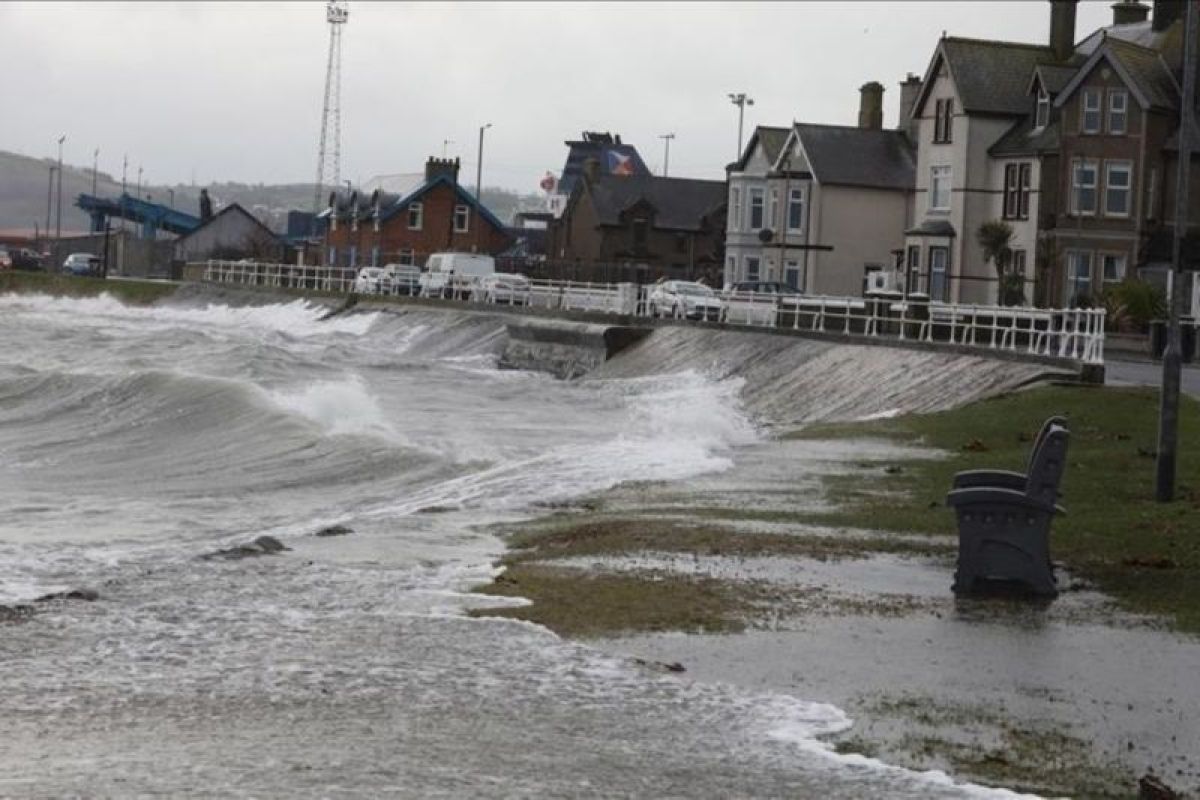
(1143, 70)
(772, 140)
(598, 146)
(680, 203)
(1022, 140)
(1053, 77)
(849, 156)
(229, 209)
(932, 227)
(991, 77)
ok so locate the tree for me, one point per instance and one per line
(995, 238)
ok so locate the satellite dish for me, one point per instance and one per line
(766, 235)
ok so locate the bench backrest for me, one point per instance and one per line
(1049, 463)
(1041, 435)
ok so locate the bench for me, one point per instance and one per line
(1004, 521)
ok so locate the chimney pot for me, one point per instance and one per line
(1126, 12)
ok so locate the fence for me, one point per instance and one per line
(1076, 334)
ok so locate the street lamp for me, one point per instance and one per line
(444, 143)
(95, 167)
(58, 225)
(49, 199)
(741, 100)
(666, 137)
(479, 185)
(139, 183)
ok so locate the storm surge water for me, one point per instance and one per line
(133, 441)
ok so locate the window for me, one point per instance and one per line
(1079, 277)
(375, 256)
(1118, 102)
(795, 220)
(461, 215)
(416, 215)
(332, 261)
(773, 210)
(353, 256)
(1016, 190)
(731, 275)
(735, 208)
(756, 209)
(1116, 188)
(939, 285)
(640, 226)
(752, 263)
(376, 223)
(1043, 109)
(1150, 192)
(406, 257)
(1112, 267)
(1083, 181)
(1090, 117)
(939, 189)
(793, 275)
(942, 117)
(912, 270)
(1016, 262)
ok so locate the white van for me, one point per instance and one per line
(454, 274)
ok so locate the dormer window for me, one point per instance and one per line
(1043, 109)
(1118, 105)
(1090, 107)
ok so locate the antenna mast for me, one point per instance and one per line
(329, 163)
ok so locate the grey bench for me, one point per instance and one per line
(1003, 478)
(1004, 525)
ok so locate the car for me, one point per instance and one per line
(454, 274)
(684, 299)
(503, 288)
(757, 302)
(369, 280)
(6, 261)
(81, 264)
(27, 259)
(402, 279)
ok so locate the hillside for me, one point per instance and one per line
(23, 184)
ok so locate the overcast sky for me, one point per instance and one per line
(229, 91)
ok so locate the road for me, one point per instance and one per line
(1148, 373)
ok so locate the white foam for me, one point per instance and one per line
(337, 407)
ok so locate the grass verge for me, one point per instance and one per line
(1144, 553)
(131, 292)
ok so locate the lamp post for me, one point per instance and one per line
(666, 137)
(95, 168)
(444, 143)
(479, 185)
(49, 199)
(139, 183)
(741, 100)
(58, 224)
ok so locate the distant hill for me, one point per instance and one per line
(23, 184)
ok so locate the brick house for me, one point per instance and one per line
(647, 226)
(407, 219)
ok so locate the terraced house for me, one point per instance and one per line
(1072, 144)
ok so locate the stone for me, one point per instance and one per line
(262, 546)
(334, 530)
(87, 595)
(1151, 787)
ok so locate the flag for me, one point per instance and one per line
(619, 164)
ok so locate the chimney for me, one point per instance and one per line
(441, 166)
(591, 169)
(910, 87)
(870, 107)
(1165, 12)
(1126, 12)
(1062, 28)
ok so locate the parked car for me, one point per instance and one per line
(369, 280)
(81, 264)
(454, 274)
(504, 289)
(6, 261)
(27, 259)
(757, 302)
(684, 299)
(402, 279)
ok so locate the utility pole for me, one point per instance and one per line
(1168, 414)
(741, 100)
(479, 186)
(139, 183)
(58, 224)
(666, 137)
(49, 199)
(95, 168)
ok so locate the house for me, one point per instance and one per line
(819, 207)
(646, 226)
(407, 217)
(233, 233)
(613, 157)
(1071, 144)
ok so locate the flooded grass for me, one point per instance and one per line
(1146, 554)
(131, 292)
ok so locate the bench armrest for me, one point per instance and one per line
(994, 496)
(1000, 478)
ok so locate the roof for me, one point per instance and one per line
(932, 227)
(1052, 77)
(615, 158)
(772, 140)
(399, 184)
(229, 209)
(1023, 140)
(1169, 41)
(849, 156)
(991, 77)
(401, 204)
(1143, 70)
(679, 203)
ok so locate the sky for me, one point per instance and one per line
(233, 91)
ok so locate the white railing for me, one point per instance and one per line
(1076, 334)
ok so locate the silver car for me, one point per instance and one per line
(684, 299)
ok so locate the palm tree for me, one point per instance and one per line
(994, 237)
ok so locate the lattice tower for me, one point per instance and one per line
(329, 160)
